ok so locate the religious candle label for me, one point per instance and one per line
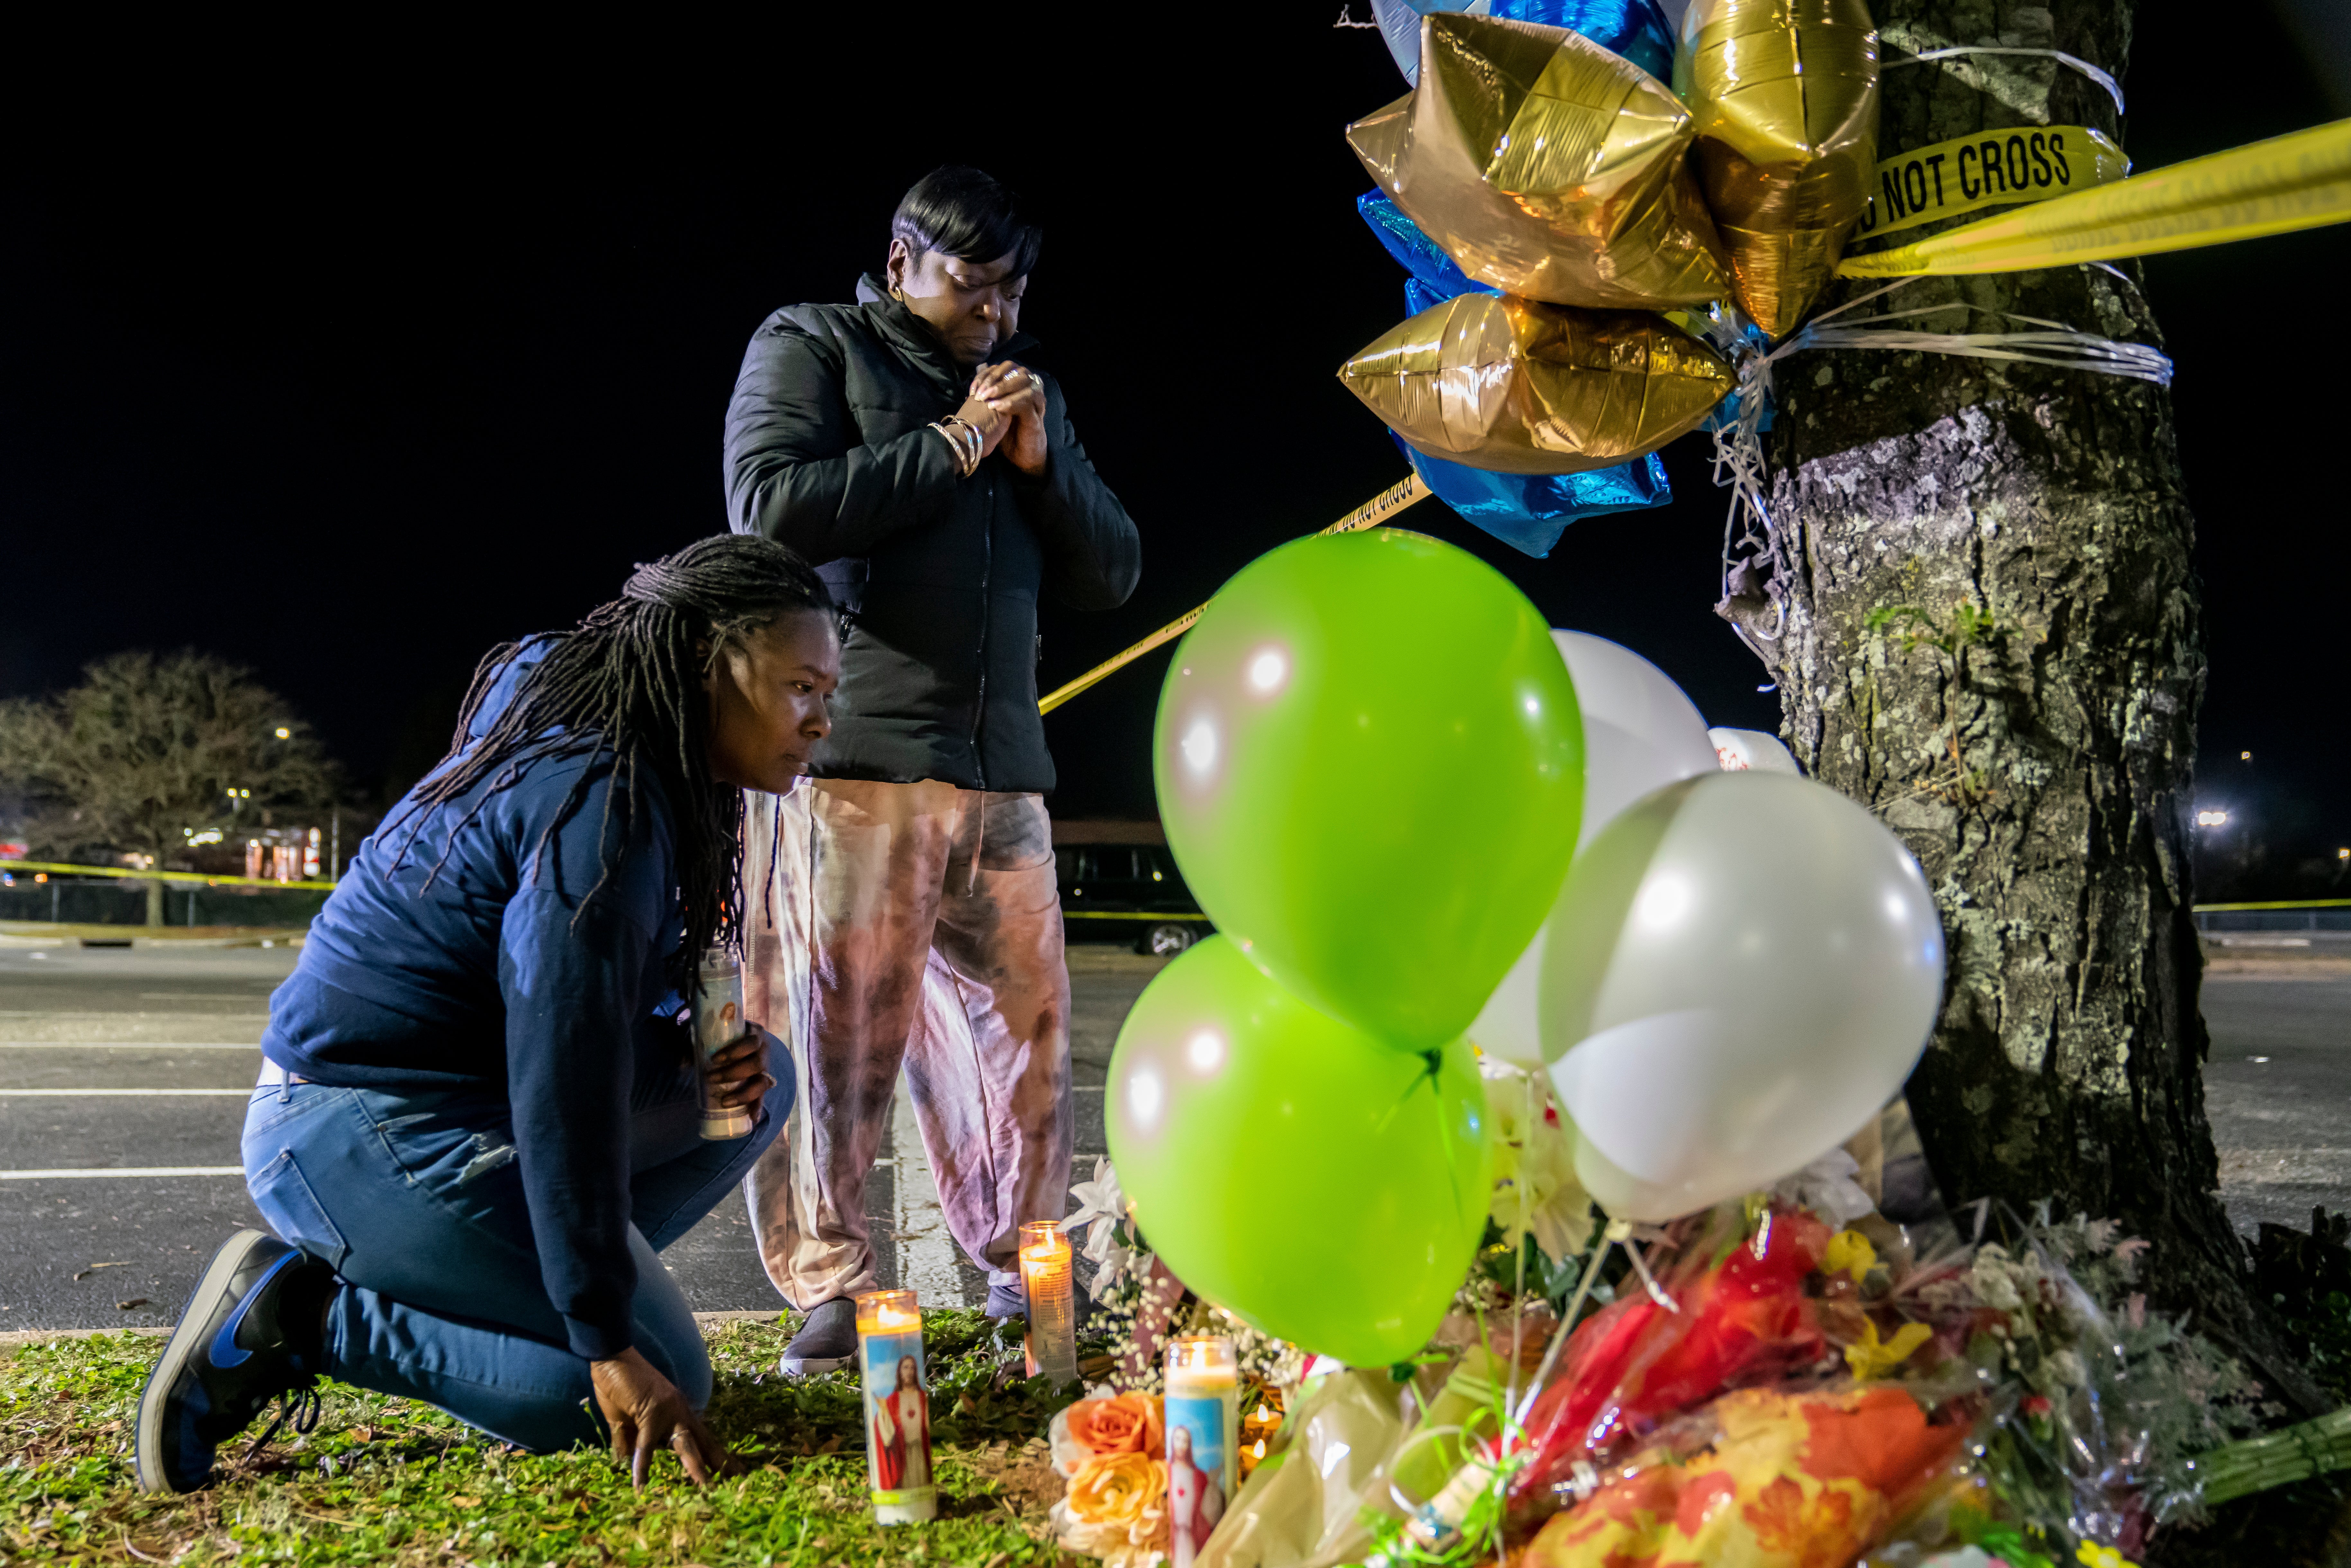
(898, 1429)
(1201, 1448)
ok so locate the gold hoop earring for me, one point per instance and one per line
(897, 294)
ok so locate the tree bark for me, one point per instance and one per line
(1992, 638)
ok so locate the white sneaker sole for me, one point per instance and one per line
(184, 1342)
(811, 1365)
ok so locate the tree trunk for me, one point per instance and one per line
(1992, 638)
(155, 896)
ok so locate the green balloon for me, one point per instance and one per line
(1329, 1191)
(1369, 763)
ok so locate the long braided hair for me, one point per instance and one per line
(626, 683)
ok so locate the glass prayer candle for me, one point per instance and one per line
(897, 1406)
(1203, 1418)
(1051, 1289)
(1258, 1428)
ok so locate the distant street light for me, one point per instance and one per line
(285, 734)
(2211, 819)
(2343, 854)
(2242, 756)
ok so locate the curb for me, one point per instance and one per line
(17, 1338)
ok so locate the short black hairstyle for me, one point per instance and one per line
(968, 215)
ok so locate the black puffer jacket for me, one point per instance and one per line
(828, 451)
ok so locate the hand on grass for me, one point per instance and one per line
(647, 1414)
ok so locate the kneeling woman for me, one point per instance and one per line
(477, 1123)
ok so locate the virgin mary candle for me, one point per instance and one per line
(1203, 1424)
(897, 1406)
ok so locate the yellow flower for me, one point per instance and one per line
(1850, 1253)
(2093, 1556)
(1535, 1187)
(1871, 1358)
(1116, 1489)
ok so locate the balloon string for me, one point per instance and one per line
(1616, 1231)
(1406, 1505)
(1750, 538)
(1519, 1244)
(1649, 1280)
(2114, 88)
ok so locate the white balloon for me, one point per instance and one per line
(1639, 732)
(1739, 750)
(1741, 971)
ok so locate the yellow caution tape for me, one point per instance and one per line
(156, 876)
(1378, 509)
(1990, 168)
(2288, 183)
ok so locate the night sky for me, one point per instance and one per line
(349, 382)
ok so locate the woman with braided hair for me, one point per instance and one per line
(478, 1123)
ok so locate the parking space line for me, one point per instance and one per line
(125, 1171)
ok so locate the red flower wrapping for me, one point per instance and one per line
(1633, 1364)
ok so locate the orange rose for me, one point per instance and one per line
(1128, 1423)
(1116, 1490)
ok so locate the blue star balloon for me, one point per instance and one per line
(1635, 29)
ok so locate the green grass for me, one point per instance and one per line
(384, 1480)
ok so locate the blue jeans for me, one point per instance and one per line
(416, 1201)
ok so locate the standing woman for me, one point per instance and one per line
(477, 1123)
(908, 445)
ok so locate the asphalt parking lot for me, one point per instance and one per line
(123, 1079)
(124, 1074)
(2278, 1082)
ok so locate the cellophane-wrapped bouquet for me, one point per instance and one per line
(1793, 1390)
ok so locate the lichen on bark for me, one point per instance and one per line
(1992, 638)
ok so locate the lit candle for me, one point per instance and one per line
(1257, 1428)
(1046, 1277)
(897, 1406)
(1203, 1417)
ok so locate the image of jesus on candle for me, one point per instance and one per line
(901, 1431)
(1196, 1499)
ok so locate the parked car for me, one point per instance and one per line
(1109, 889)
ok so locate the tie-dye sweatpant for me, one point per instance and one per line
(914, 924)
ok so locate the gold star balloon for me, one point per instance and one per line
(1547, 167)
(1521, 387)
(1784, 93)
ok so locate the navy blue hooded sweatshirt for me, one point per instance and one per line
(504, 976)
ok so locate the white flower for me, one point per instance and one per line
(1068, 1452)
(1103, 1207)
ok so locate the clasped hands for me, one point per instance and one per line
(644, 1410)
(1007, 405)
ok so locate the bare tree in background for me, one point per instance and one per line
(1993, 638)
(151, 749)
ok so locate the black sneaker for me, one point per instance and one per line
(238, 1347)
(827, 1341)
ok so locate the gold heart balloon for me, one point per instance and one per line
(1518, 386)
(1784, 93)
(1547, 167)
